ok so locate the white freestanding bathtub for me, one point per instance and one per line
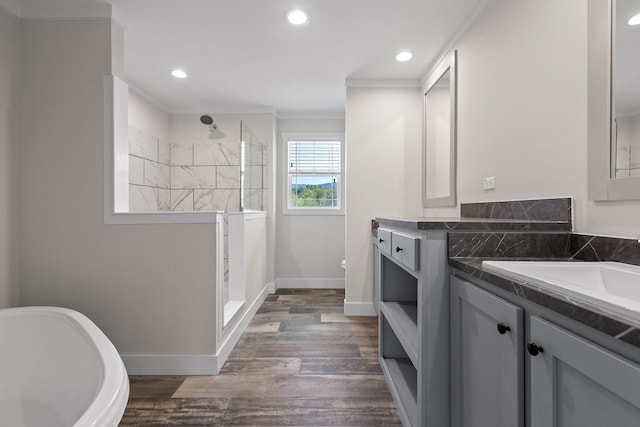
(57, 369)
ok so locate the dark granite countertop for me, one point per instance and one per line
(474, 224)
(587, 314)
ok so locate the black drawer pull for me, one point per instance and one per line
(380, 240)
(398, 249)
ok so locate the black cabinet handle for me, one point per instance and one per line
(380, 240)
(502, 328)
(398, 249)
(534, 348)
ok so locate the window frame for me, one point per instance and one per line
(286, 137)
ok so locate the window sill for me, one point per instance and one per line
(313, 212)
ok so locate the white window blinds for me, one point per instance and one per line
(314, 157)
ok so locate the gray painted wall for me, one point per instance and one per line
(10, 54)
(309, 247)
(150, 288)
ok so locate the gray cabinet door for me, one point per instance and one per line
(575, 383)
(487, 363)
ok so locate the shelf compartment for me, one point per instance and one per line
(402, 319)
(403, 382)
(399, 284)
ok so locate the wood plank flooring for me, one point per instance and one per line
(300, 362)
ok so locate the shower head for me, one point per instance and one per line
(206, 119)
(215, 133)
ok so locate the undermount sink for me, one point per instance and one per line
(612, 286)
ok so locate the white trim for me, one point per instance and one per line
(249, 215)
(164, 218)
(45, 10)
(382, 83)
(448, 64)
(206, 364)
(116, 147)
(359, 309)
(285, 137)
(303, 283)
(310, 116)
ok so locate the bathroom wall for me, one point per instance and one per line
(10, 70)
(520, 118)
(383, 131)
(150, 288)
(522, 111)
(298, 260)
(149, 156)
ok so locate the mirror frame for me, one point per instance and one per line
(601, 114)
(447, 64)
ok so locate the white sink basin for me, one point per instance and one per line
(612, 286)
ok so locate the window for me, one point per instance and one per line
(313, 174)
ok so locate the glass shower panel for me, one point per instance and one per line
(252, 170)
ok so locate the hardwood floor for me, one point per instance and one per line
(299, 363)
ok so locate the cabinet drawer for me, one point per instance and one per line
(406, 250)
(384, 241)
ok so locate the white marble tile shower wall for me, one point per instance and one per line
(205, 177)
(149, 172)
(628, 146)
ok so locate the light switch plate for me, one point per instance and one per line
(489, 183)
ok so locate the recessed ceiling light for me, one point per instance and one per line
(297, 17)
(179, 74)
(404, 56)
(635, 20)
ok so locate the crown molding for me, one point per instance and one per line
(382, 83)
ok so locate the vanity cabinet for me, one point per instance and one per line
(571, 381)
(576, 383)
(487, 363)
(412, 273)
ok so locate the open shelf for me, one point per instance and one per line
(399, 284)
(402, 378)
(402, 317)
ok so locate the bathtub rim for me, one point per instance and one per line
(111, 398)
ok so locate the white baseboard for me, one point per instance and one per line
(206, 364)
(295, 283)
(359, 309)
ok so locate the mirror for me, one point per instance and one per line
(439, 135)
(626, 91)
(614, 101)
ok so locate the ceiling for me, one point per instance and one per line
(242, 56)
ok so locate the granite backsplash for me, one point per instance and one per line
(558, 209)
